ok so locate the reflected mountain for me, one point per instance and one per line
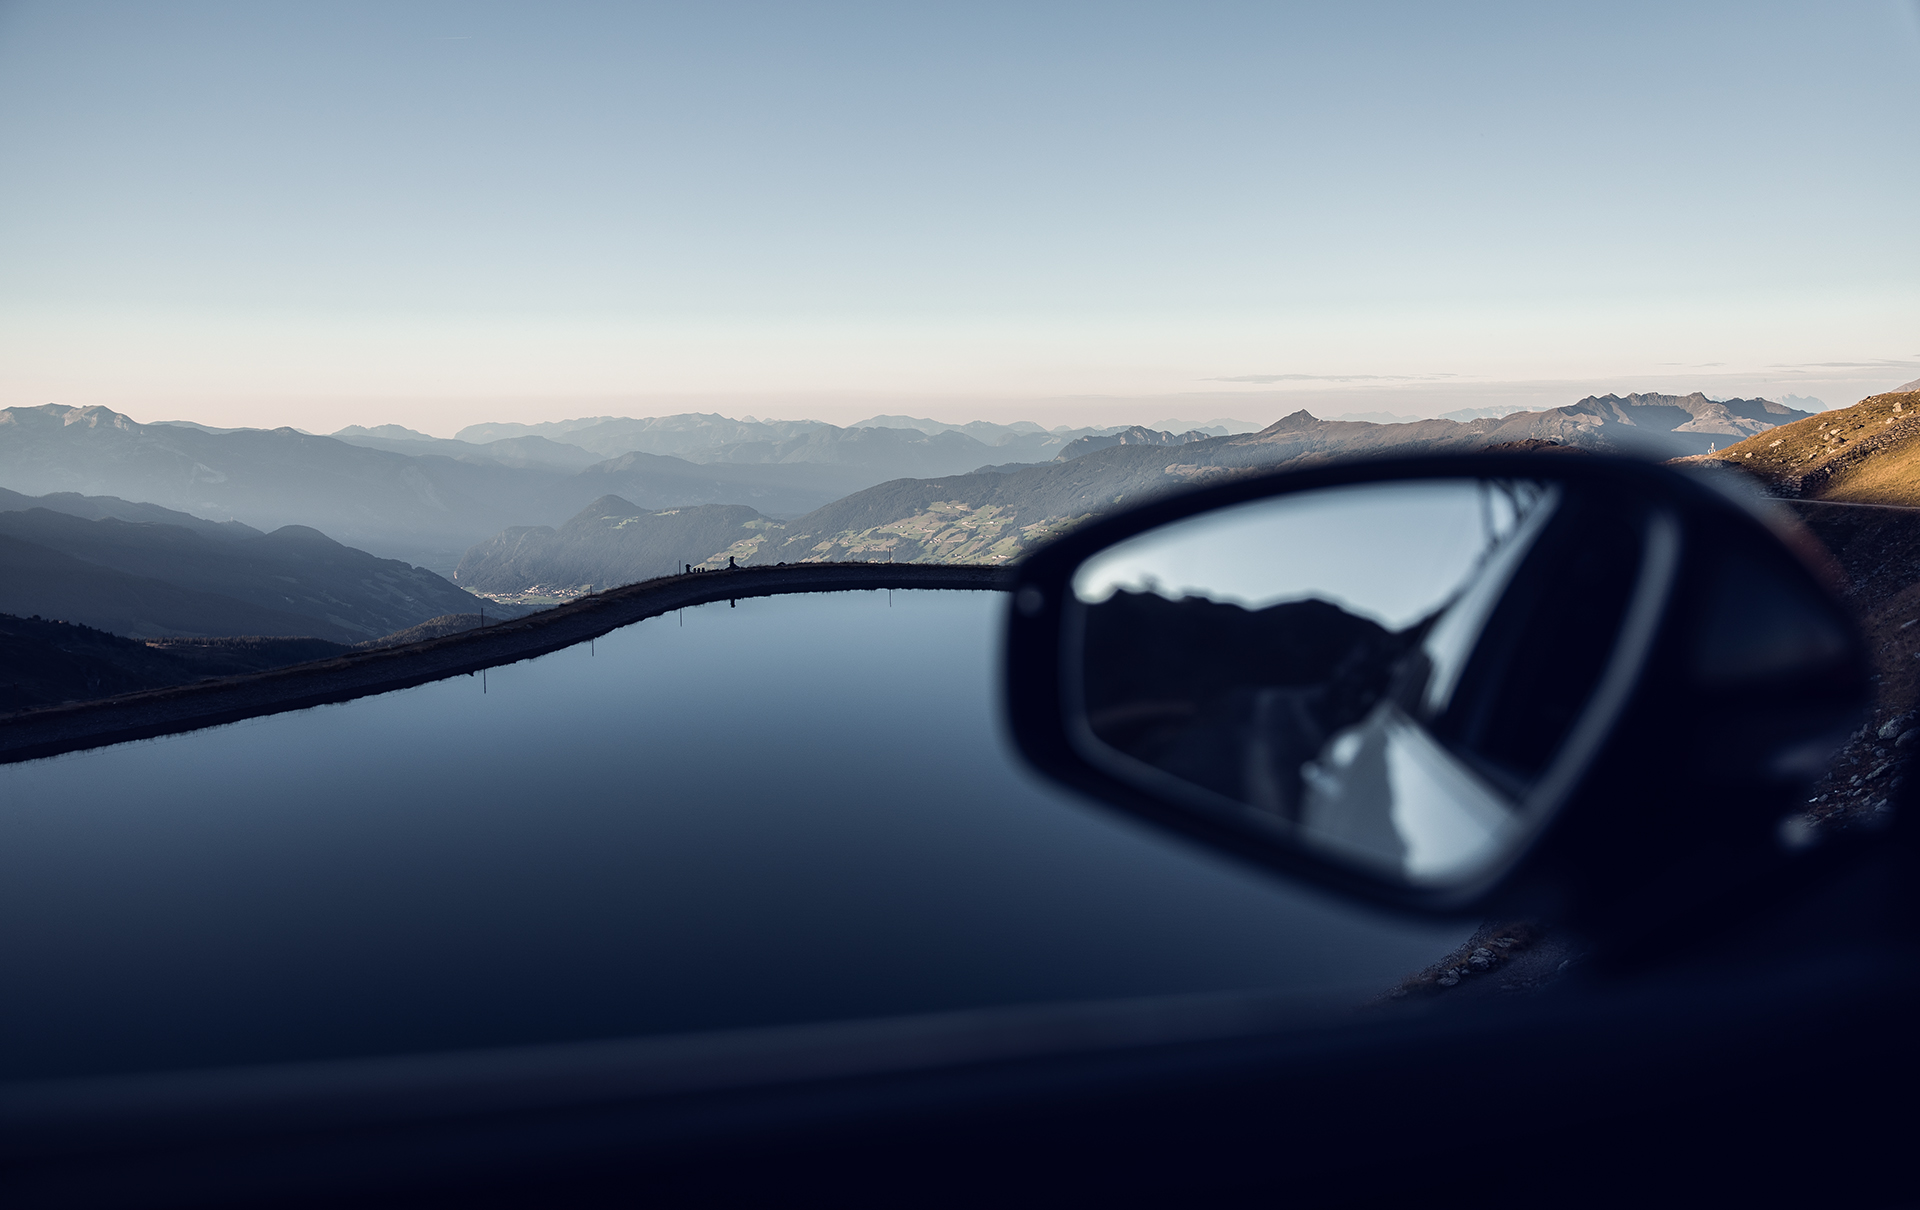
(1230, 698)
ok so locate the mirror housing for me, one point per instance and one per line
(1645, 732)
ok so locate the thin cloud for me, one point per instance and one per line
(1882, 364)
(1266, 379)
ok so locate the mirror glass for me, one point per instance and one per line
(1384, 672)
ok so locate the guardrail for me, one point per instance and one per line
(51, 730)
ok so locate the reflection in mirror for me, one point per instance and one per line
(1351, 666)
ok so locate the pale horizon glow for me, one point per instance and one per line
(440, 214)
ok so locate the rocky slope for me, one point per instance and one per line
(1842, 470)
(1866, 454)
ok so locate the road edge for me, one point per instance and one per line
(53, 730)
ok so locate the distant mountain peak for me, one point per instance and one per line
(302, 533)
(611, 505)
(396, 432)
(1293, 422)
(1131, 435)
(65, 416)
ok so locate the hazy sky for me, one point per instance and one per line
(432, 214)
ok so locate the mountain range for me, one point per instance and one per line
(994, 514)
(404, 494)
(708, 437)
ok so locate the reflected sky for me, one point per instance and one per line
(1419, 541)
(798, 809)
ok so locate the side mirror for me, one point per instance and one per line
(1542, 682)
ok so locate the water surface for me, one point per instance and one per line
(799, 809)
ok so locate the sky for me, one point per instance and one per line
(434, 214)
(1428, 537)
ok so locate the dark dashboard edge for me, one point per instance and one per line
(406, 1087)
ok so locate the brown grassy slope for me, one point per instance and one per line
(1866, 454)
(1830, 464)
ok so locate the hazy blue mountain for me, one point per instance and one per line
(96, 508)
(610, 542)
(37, 581)
(552, 429)
(980, 430)
(207, 428)
(151, 580)
(994, 514)
(1021, 441)
(998, 434)
(1465, 414)
(920, 490)
(888, 446)
(425, 508)
(384, 432)
(508, 451)
(1132, 435)
(1219, 426)
(1397, 418)
(659, 481)
(374, 499)
(399, 493)
(686, 435)
(885, 453)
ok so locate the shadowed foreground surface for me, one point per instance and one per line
(798, 810)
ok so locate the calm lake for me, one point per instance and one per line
(799, 809)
